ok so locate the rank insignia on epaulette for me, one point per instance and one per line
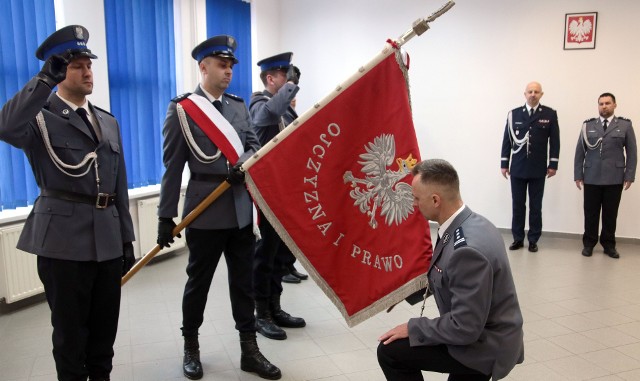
(589, 120)
(234, 97)
(458, 238)
(623, 118)
(180, 97)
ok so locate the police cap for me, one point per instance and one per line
(72, 39)
(279, 61)
(220, 46)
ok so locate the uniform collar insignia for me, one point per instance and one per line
(445, 238)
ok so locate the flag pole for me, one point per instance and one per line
(418, 28)
(201, 207)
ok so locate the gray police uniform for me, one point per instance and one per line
(270, 114)
(524, 152)
(79, 245)
(225, 226)
(480, 321)
(604, 161)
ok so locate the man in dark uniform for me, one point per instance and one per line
(531, 131)
(271, 111)
(478, 334)
(605, 163)
(80, 227)
(227, 225)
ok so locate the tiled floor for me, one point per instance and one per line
(582, 322)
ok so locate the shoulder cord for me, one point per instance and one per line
(585, 140)
(91, 157)
(188, 136)
(517, 142)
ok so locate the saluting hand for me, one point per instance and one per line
(54, 69)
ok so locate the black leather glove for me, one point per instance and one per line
(128, 259)
(293, 74)
(236, 175)
(54, 70)
(165, 231)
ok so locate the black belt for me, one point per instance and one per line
(208, 177)
(101, 200)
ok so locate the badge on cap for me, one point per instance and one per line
(79, 33)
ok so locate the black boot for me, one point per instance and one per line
(191, 366)
(282, 318)
(252, 360)
(264, 322)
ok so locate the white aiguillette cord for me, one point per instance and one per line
(91, 157)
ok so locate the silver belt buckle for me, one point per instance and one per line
(102, 200)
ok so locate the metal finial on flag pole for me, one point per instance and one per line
(419, 27)
(422, 25)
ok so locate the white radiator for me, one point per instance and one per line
(148, 226)
(19, 278)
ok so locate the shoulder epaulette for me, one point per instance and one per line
(458, 238)
(234, 97)
(623, 118)
(589, 120)
(180, 97)
(103, 110)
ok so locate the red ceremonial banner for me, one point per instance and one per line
(337, 188)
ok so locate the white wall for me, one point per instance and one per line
(466, 72)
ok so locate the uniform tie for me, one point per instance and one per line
(605, 125)
(531, 112)
(217, 104)
(437, 239)
(83, 114)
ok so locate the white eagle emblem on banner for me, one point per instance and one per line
(381, 189)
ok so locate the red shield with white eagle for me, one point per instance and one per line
(337, 189)
(580, 29)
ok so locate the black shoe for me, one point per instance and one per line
(269, 329)
(283, 319)
(191, 366)
(252, 360)
(516, 245)
(587, 251)
(290, 278)
(613, 253)
(298, 274)
(533, 247)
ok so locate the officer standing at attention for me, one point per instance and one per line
(600, 166)
(80, 227)
(478, 333)
(210, 130)
(271, 111)
(531, 131)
